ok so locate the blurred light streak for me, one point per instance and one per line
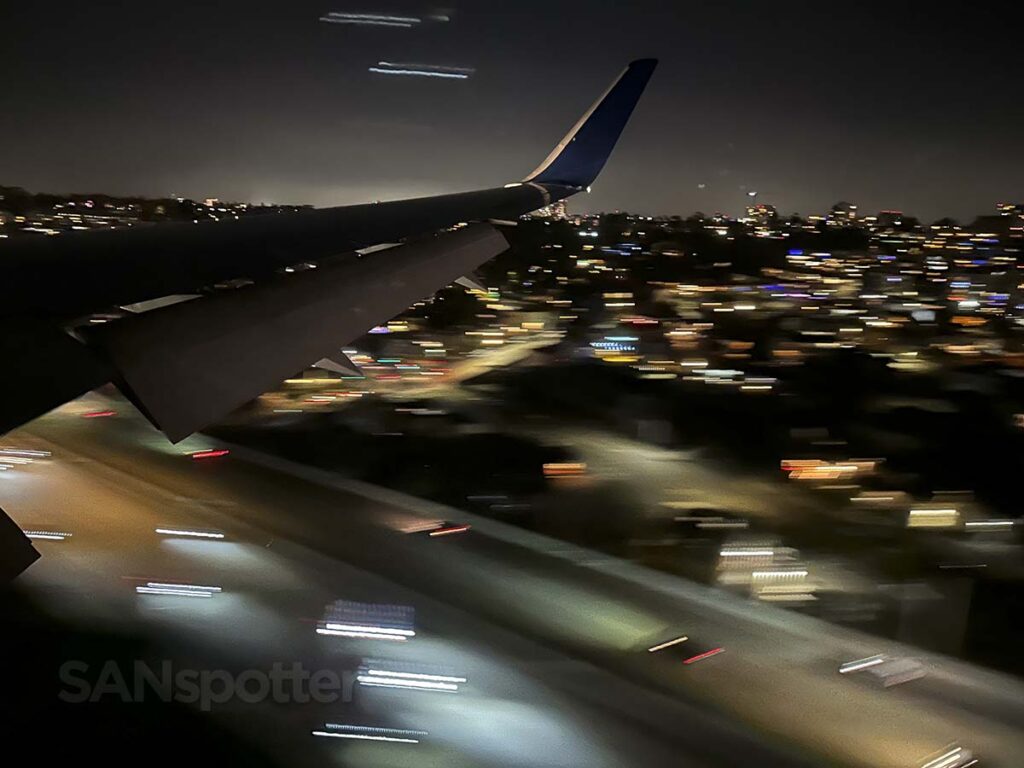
(859, 664)
(368, 733)
(667, 644)
(48, 535)
(178, 590)
(24, 453)
(190, 534)
(426, 67)
(747, 553)
(366, 631)
(705, 655)
(419, 685)
(419, 73)
(370, 19)
(933, 518)
(416, 676)
(211, 454)
(946, 760)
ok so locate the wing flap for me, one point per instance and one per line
(190, 364)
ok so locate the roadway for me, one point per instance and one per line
(552, 638)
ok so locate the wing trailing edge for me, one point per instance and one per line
(189, 364)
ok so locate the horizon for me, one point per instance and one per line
(781, 214)
(275, 104)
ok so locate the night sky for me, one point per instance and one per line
(910, 105)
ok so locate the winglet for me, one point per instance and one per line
(580, 156)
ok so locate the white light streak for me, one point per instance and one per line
(370, 19)
(370, 734)
(177, 590)
(426, 67)
(859, 664)
(947, 760)
(747, 552)
(779, 574)
(423, 685)
(419, 73)
(190, 534)
(363, 635)
(416, 676)
(668, 644)
(376, 630)
(48, 535)
(366, 23)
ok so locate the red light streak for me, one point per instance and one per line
(705, 655)
(210, 454)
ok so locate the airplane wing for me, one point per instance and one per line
(187, 363)
(16, 550)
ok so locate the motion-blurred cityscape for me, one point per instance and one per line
(823, 412)
(411, 458)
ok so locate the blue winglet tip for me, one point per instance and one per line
(652, 63)
(580, 156)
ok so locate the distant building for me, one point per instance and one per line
(842, 214)
(886, 219)
(761, 213)
(1007, 223)
(555, 211)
